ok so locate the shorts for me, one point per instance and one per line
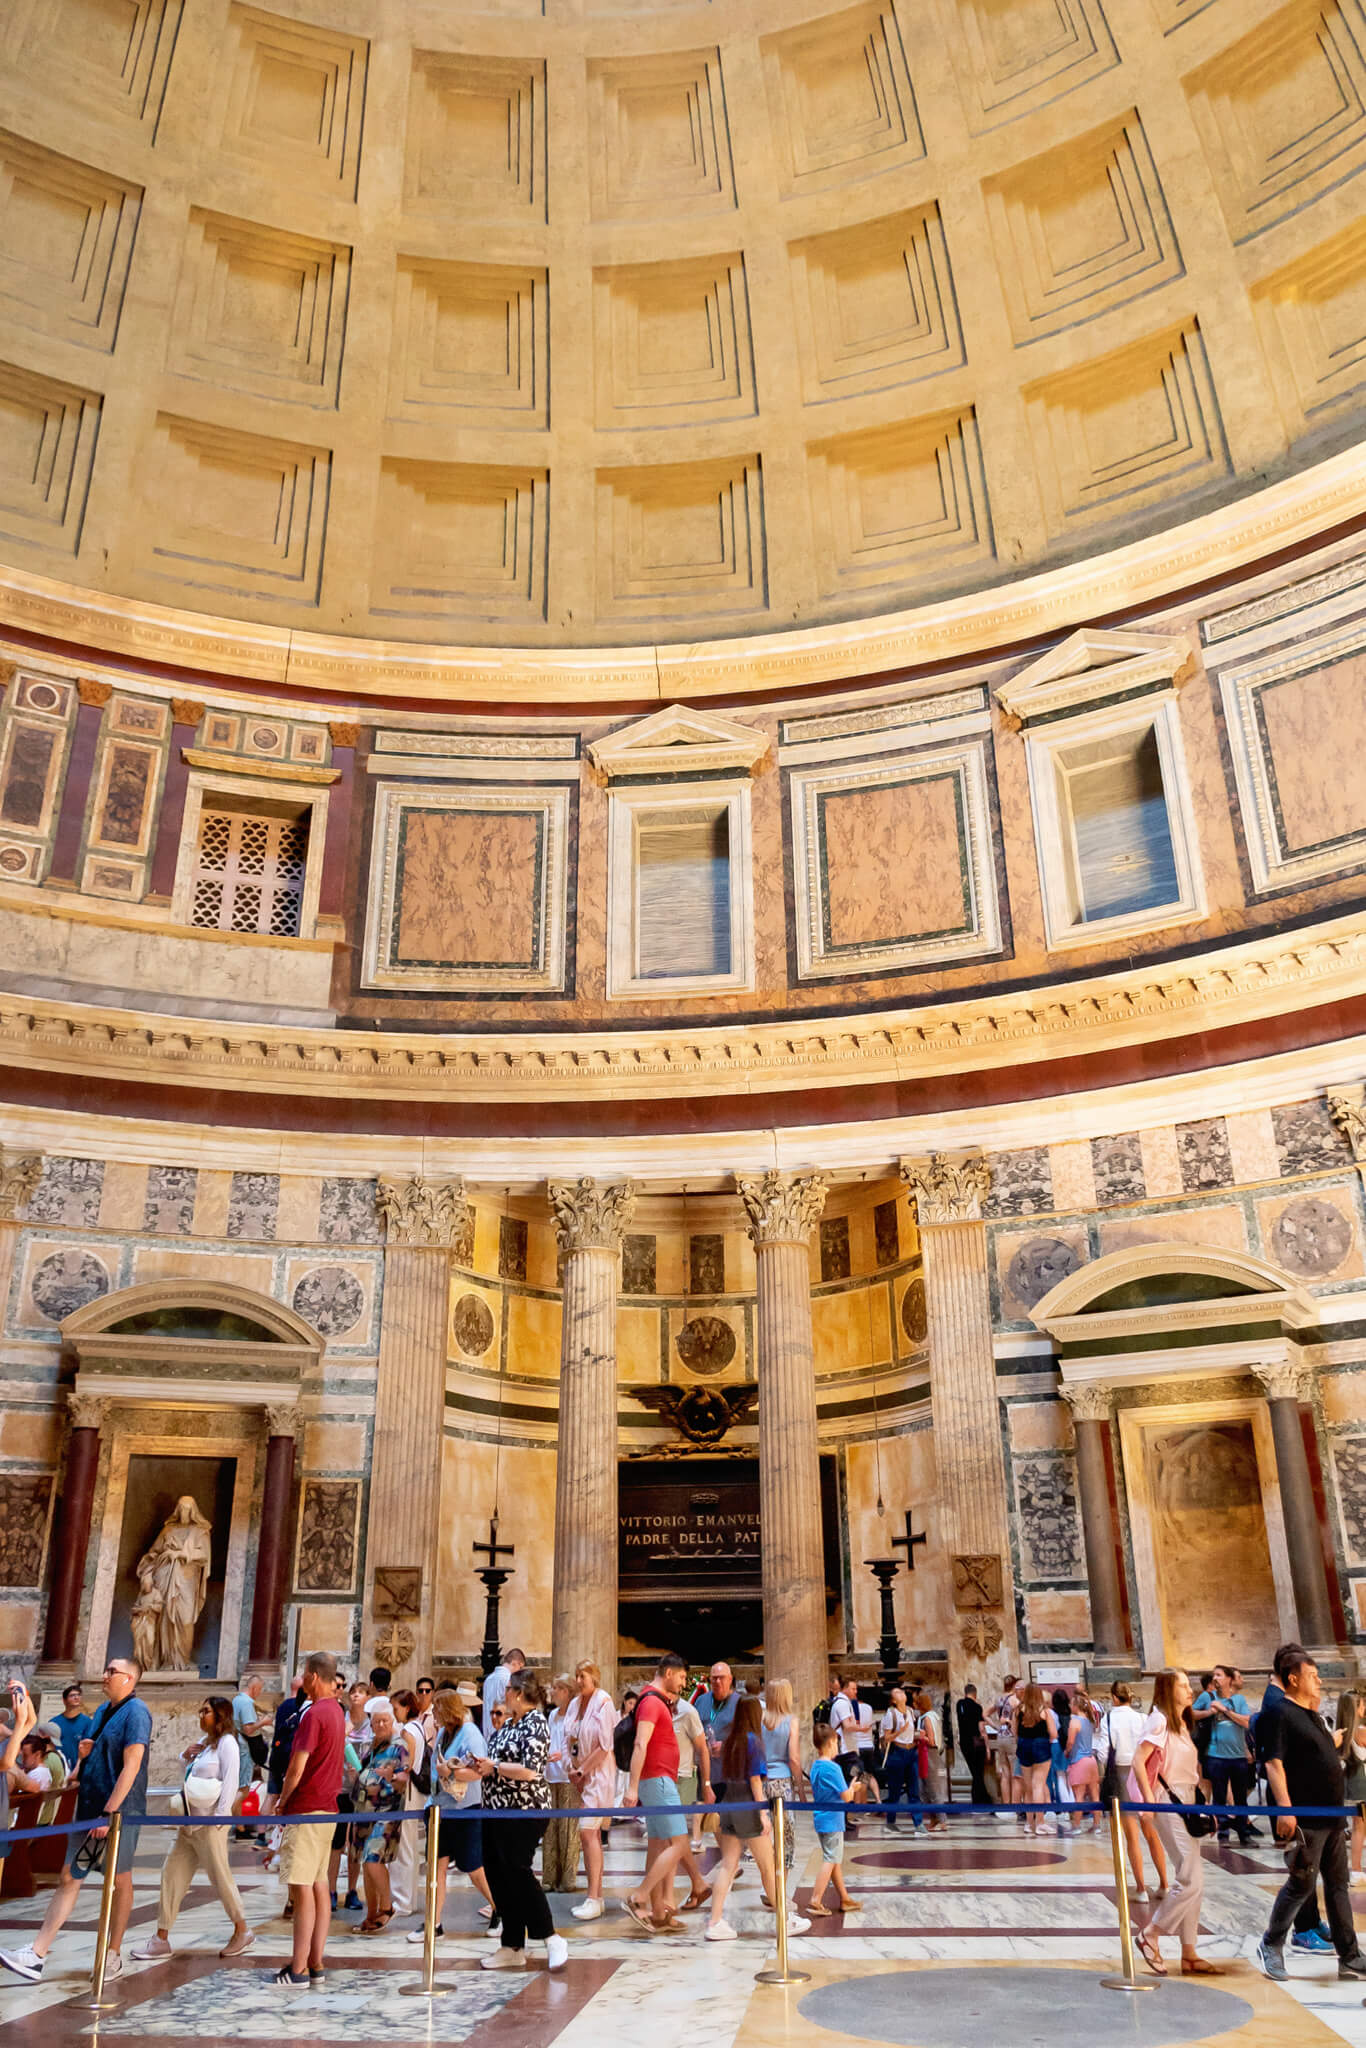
(831, 1847)
(463, 1842)
(1005, 1749)
(304, 1851)
(744, 1827)
(128, 1849)
(1033, 1750)
(659, 1802)
(1079, 1772)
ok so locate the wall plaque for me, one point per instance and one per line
(976, 1580)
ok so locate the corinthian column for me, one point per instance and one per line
(781, 1209)
(1091, 1404)
(948, 1194)
(1287, 1383)
(590, 1217)
(423, 1220)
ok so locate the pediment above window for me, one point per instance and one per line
(678, 741)
(1091, 668)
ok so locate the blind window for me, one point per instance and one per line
(249, 873)
(1112, 789)
(683, 894)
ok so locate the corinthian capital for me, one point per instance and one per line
(86, 1411)
(591, 1214)
(1090, 1401)
(19, 1176)
(781, 1207)
(282, 1418)
(947, 1190)
(1286, 1379)
(422, 1212)
(1349, 1114)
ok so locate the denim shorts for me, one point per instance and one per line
(659, 1803)
(832, 1848)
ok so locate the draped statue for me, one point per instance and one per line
(173, 1580)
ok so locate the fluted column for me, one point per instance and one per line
(423, 1218)
(590, 1217)
(1287, 1383)
(272, 1550)
(973, 1515)
(71, 1526)
(1091, 1405)
(781, 1209)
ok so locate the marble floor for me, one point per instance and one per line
(966, 1940)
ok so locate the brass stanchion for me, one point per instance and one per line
(429, 1988)
(780, 1973)
(1130, 1981)
(97, 2002)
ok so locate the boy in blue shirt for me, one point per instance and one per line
(831, 1796)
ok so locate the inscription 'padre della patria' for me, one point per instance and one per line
(700, 1530)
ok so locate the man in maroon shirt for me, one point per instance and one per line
(653, 1785)
(312, 1782)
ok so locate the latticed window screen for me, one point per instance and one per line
(249, 874)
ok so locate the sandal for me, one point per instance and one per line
(695, 1901)
(765, 1900)
(1196, 1966)
(639, 1913)
(818, 1912)
(1150, 1954)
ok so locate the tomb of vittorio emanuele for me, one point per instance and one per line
(682, 834)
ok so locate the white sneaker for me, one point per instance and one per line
(113, 1965)
(25, 1962)
(493, 1934)
(1357, 1877)
(556, 1951)
(721, 1931)
(796, 1924)
(591, 1909)
(504, 1959)
(419, 1935)
(152, 1950)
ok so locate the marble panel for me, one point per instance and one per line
(324, 1627)
(347, 1213)
(886, 1237)
(334, 1446)
(1251, 1147)
(333, 1298)
(1117, 1164)
(69, 1192)
(58, 1279)
(533, 1342)
(1349, 1470)
(488, 921)
(892, 863)
(834, 1248)
(25, 1498)
(849, 1329)
(1070, 1170)
(212, 1196)
(253, 1205)
(1306, 1138)
(123, 1194)
(1040, 1425)
(638, 1344)
(544, 1256)
(1314, 1236)
(296, 1217)
(1203, 1151)
(30, 1433)
(1029, 1263)
(512, 1234)
(1359, 1601)
(1050, 1535)
(207, 1262)
(1343, 1395)
(637, 1264)
(1224, 1226)
(903, 1472)
(1161, 1163)
(709, 1343)
(707, 1264)
(1021, 1182)
(18, 1627)
(329, 1536)
(1314, 808)
(169, 1202)
(1058, 1617)
(245, 2006)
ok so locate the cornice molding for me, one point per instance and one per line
(1263, 978)
(1252, 526)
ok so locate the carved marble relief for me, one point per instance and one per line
(706, 1345)
(915, 1320)
(24, 1502)
(331, 1299)
(1038, 1266)
(1021, 1183)
(834, 1248)
(65, 1281)
(886, 1234)
(1117, 1168)
(707, 1264)
(1307, 1139)
(1311, 1236)
(253, 1204)
(511, 1248)
(472, 1325)
(1203, 1151)
(346, 1212)
(169, 1205)
(327, 1536)
(637, 1264)
(69, 1192)
(1045, 1490)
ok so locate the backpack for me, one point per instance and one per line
(421, 1778)
(624, 1734)
(820, 1713)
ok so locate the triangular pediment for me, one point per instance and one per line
(1089, 668)
(676, 740)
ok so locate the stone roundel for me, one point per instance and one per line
(1031, 2008)
(472, 1325)
(1038, 1266)
(330, 1298)
(66, 1281)
(706, 1345)
(914, 1319)
(1311, 1236)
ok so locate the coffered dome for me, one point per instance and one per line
(564, 325)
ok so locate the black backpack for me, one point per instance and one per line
(624, 1734)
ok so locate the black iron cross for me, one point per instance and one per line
(493, 1549)
(909, 1540)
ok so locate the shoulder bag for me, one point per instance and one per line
(1195, 1815)
(1110, 1788)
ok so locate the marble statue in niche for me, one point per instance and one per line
(23, 1522)
(173, 1583)
(1311, 1236)
(1038, 1266)
(65, 1281)
(1209, 1538)
(331, 1299)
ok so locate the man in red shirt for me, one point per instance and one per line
(653, 1785)
(311, 1785)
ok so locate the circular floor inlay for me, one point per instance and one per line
(958, 1859)
(1028, 2008)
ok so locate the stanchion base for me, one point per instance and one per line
(421, 1991)
(1123, 1984)
(782, 1977)
(99, 2005)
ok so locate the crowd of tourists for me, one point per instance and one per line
(512, 1766)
